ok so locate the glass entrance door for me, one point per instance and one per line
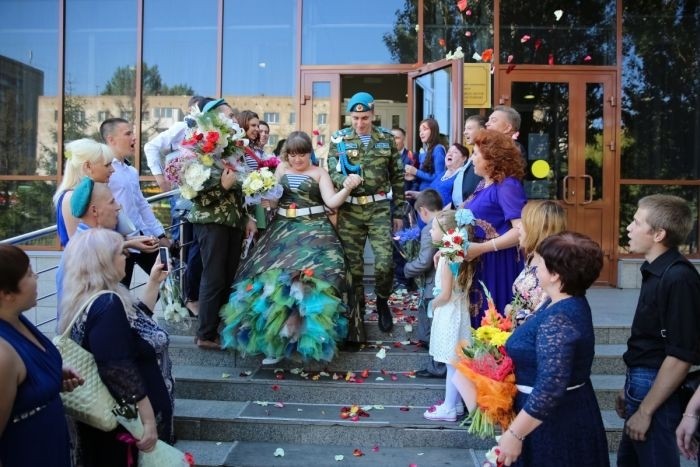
(436, 91)
(568, 131)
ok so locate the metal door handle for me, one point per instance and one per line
(565, 183)
(590, 189)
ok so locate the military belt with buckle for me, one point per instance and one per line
(291, 213)
(367, 199)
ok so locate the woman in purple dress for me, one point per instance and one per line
(496, 203)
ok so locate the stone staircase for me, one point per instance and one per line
(231, 411)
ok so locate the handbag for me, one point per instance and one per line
(90, 403)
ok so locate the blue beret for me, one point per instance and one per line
(213, 105)
(361, 102)
(80, 200)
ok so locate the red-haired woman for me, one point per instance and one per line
(496, 203)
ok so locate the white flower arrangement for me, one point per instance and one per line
(261, 184)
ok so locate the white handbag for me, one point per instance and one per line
(90, 403)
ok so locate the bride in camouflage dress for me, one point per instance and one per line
(288, 295)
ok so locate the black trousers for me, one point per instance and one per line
(145, 262)
(220, 247)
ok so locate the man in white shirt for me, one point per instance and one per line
(118, 134)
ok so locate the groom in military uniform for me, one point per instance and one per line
(370, 152)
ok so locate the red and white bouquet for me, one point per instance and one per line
(213, 142)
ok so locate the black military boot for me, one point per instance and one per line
(386, 321)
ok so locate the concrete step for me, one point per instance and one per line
(404, 331)
(251, 454)
(608, 358)
(206, 453)
(240, 384)
(309, 424)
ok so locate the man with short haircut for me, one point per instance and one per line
(507, 120)
(370, 152)
(466, 180)
(118, 134)
(664, 342)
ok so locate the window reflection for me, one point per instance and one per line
(368, 32)
(100, 70)
(577, 32)
(446, 28)
(661, 91)
(28, 67)
(259, 71)
(169, 38)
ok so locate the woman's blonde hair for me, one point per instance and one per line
(540, 220)
(89, 267)
(77, 153)
(446, 220)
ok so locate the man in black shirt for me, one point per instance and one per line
(665, 339)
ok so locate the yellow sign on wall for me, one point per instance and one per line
(477, 85)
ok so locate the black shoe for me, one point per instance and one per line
(427, 374)
(386, 321)
(350, 346)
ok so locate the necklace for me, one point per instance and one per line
(448, 174)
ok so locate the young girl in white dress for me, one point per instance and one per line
(451, 320)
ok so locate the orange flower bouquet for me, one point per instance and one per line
(488, 374)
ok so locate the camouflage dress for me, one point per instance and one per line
(296, 269)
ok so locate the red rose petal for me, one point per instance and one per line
(275, 387)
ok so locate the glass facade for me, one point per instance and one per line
(577, 32)
(260, 60)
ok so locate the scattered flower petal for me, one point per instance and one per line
(279, 452)
(538, 44)
(261, 403)
(462, 5)
(315, 132)
(550, 59)
(245, 373)
(468, 12)
(365, 373)
(408, 327)
(468, 34)
(295, 371)
(316, 377)
(379, 378)
(525, 38)
(323, 373)
(510, 68)
(381, 354)
(587, 58)
(225, 375)
(300, 410)
(405, 408)
(476, 56)
(279, 405)
(487, 55)
(358, 453)
(510, 58)
(442, 42)
(558, 14)
(279, 376)
(339, 457)
(394, 378)
(275, 387)
(375, 448)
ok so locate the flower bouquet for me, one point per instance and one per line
(489, 371)
(261, 184)
(171, 295)
(213, 142)
(455, 242)
(161, 454)
(408, 242)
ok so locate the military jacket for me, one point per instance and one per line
(380, 164)
(214, 204)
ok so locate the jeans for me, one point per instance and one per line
(659, 449)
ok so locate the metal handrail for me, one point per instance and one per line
(52, 230)
(33, 235)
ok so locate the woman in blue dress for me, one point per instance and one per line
(431, 158)
(558, 419)
(497, 203)
(33, 430)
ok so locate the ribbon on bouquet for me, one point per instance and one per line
(129, 440)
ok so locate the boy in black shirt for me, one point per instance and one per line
(665, 339)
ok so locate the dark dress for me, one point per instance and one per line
(132, 359)
(494, 206)
(41, 439)
(553, 351)
(298, 267)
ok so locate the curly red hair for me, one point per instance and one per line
(501, 155)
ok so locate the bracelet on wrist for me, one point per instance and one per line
(493, 244)
(515, 435)
(692, 415)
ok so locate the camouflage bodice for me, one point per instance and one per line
(306, 195)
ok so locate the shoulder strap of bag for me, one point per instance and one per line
(659, 288)
(88, 303)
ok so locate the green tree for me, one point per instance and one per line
(123, 83)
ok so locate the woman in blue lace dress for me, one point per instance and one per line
(33, 430)
(130, 349)
(558, 419)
